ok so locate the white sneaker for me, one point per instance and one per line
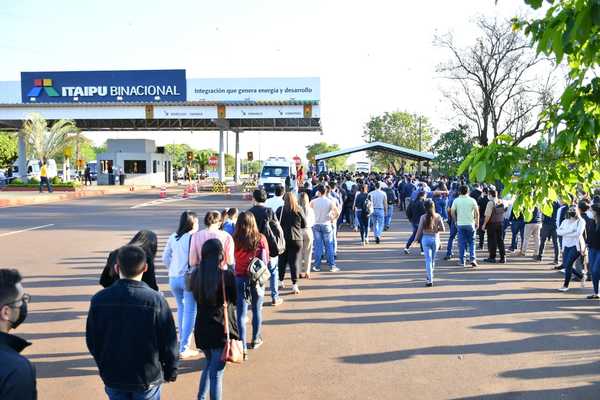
(422, 253)
(281, 285)
(295, 289)
(189, 353)
(406, 251)
(334, 269)
(563, 289)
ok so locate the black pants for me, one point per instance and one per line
(290, 257)
(363, 221)
(480, 234)
(402, 198)
(495, 241)
(549, 232)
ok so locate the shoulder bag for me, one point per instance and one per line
(188, 274)
(233, 352)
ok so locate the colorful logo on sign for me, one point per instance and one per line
(42, 84)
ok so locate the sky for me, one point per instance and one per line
(371, 56)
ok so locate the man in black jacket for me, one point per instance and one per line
(17, 375)
(414, 211)
(263, 215)
(131, 333)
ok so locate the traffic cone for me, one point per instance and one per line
(132, 188)
(163, 192)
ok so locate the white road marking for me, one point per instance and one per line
(163, 201)
(25, 230)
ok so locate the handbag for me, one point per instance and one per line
(258, 272)
(187, 278)
(274, 234)
(233, 352)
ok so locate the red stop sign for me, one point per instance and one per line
(297, 160)
(213, 161)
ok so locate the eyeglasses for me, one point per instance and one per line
(25, 299)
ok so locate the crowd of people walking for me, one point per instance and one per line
(220, 271)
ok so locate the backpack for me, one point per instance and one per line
(274, 235)
(368, 205)
(258, 272)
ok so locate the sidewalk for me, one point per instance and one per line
(16, 199)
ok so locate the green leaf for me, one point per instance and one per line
(535, 4)
(547, 208)
(480, 171)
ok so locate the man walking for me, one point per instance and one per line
(323, 229)
(391, 201)
(44, 180)
(414, 212)
(131, 333)
(380, 209)
(492, 223)
(263, 215)
(466, 214)
(17, 375)
(549, 232)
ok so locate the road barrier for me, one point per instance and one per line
(163, 192)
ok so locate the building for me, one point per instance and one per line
(139, 159)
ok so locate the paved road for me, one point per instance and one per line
(372, 331)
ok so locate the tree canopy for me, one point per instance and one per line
(46, 142)
(567, 158)
(336, 163)
(8, 150)
(452, 148)
(399, 128)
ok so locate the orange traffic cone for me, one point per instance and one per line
(163, 192)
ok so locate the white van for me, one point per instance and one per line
(275, 171)
(33, 169)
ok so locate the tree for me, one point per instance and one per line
(399, 128)
(569, 159)
(48, 142)
(494, 82)
(8, 150)
(178, 154)
(336, 163)
(452, 148)
(201, 158)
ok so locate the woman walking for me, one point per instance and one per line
(148, 241)
(176, 258)
(307, 236)
(428, 232)
(362, 212)
(573, 244)
(292, 220)
(212, 221)
(207, 282)
(249, 244)
(593, 241)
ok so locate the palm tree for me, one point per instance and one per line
(47, 142)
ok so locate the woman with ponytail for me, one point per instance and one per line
(428, 234)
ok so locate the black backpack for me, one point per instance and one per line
(274, 235)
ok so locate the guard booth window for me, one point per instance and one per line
(135, 166)
(154, 166)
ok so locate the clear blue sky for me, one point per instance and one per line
(372, 56)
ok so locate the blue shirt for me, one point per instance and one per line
(229, 227)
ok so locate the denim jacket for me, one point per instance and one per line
(131, 335)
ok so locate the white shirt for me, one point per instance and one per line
(571, 232)
(379, 198)
(176, 254)
(274, 203)
(322, 207)
(310, 217)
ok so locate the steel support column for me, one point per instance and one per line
(221, 155)
(22, 160)
(237, 157)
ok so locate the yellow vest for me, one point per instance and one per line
(43, 171)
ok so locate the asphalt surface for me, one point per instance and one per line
(371, 331)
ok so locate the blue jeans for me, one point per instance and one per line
(257, 294)
(517, 228)
(570, 255)
(334, 237)
(151, 394)
(430, 245)
(356, 217)
(466, 237)
(594, 255)
(453, 232)
(412, 237)
(186, 310)
(378, 218)
(274, 270)
(45, 181)
(323, 237)
(389, 215)
(212, 375)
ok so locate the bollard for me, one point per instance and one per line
(163, 192)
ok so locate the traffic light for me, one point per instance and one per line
(190, 155)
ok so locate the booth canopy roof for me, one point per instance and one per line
(402, 152)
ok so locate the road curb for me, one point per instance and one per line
(42, 199)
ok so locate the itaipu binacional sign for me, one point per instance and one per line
(103, 86)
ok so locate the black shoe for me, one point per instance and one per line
(538, 258)
(429, 284)
(489, 260)
(446, 258)
(377, 240)
(257, 343)
(593, 297)
(474, 264)
(558, 267)
(502, 261)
